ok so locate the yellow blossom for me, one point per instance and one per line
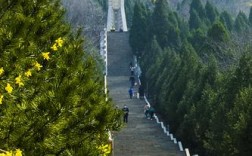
(54, 47)
(28, 73)
(59, 41)
(46, 55)
(1, 71)
(8, 88)
(38, 66)
(1, 99)
(19, 81)
(18, 152)
(8, 153)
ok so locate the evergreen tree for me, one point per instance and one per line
(250, 16)
(165, 25)
(138, 31)
(153, 50)
(211, 12)
(218, 32)
(160, 22)
(194, 20)
(197, 39)
(198, 7)
(227, 20)
(238, 136)
(52, 99)
(241, 22)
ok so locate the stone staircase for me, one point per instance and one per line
(140, 136)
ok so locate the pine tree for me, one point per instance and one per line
(52, 99)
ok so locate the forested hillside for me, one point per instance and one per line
(52, 93)
(233, 7)
(197, 72)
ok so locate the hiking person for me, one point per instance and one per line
(132, 68)
(131, 92)
(151, 112)
(146, 110)
(126, 114)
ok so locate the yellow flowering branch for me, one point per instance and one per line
(17, 152)
(105, 149)
(58, 43)
(1, 71)
(37, 66)
(28, 73)
(46, 55)
(8, 88)
(18, 80)
(1, 98)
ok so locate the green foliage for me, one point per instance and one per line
(197, 39)
(218, 32)
(194, 21)
(250, 16)
(165, 25)
(239, 132)
(227, 20)
(241, 23)
(61, 107)
(211, 12)
(198, 7)
(138, 29)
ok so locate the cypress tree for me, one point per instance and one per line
(250, 16)
(218, 32)
(211, 13)
(241, 22)
(198, 7)
(227, 20)
(160, 24)
(138, 31)
(165, 25)
(194, 20)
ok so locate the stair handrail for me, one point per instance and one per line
(103, 53)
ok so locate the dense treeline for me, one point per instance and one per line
(52, 99)
(198, 74)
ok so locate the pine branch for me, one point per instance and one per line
(8, 8)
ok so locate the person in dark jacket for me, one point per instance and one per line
(151, 112)
(126, 114)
